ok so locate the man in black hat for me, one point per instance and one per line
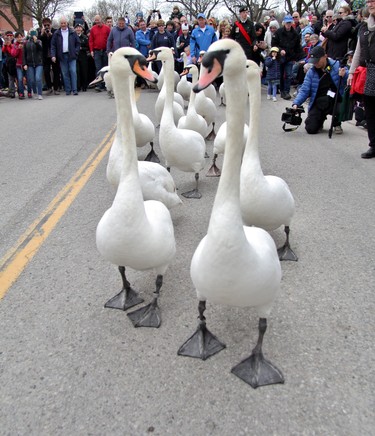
(321, 85)
(243, 31)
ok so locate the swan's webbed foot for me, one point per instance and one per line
(202, 344)
(214, 171)
(285, 252)
(147, 316)
(152, 156)
(124, 300)
(256, 370)
(192, 194)
(211, 136)
(206, 155)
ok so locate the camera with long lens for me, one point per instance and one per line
(293, 117)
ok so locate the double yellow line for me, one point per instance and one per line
(17, 258)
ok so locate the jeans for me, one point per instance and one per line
(21, 89)
(34, 79)
(101, 60)
(286, 70)
(272, 87)
(69, 73)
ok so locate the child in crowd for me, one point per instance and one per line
(272, 63)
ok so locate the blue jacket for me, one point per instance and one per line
(120, 38)
(273, 68)
(201, 39)
(310, 85)
(57, 45)
(143, 40)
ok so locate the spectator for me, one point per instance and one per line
(109, 22)
(143, 39)
(82, 60)
(212, 22)
(222, 25)
(273, 26)
(45, 35)
(183, 40)
(162, 38)
(99, 34)
(10, 63)
(120, 36)
(272, 62)
(65, 46)
(316, 23)
(17, 52)
(201, 37)
(305, 29)
(243, 31)
(33, 65)
(169, 27)
(296, 19)
(151, 15)
(338, 36)
(364, 55)
(226, 32)
(1, 62)
(175, 13)
(288, 41)
(321, 85)
(260, 32)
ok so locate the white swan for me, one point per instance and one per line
(178, 101)
(182, 148)
(132, 232)
(192, 120)
(183, 86)
(152, 85)
(222, 95)
(144, 128)
(176, 78)
(210, 91)
(233, 264)
(219, 147)
(207, 108)
(266, 201)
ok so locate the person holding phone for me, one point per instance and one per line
(33, 65)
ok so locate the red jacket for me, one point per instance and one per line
(17, 52)
(98, 37)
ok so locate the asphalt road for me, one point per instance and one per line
(70, 367)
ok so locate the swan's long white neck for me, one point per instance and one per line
(129, 181)
(169, 91)
(194, 74)
(251, 154)
(227, 203)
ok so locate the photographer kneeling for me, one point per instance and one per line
(321, 84)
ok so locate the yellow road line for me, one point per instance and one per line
(17, 258)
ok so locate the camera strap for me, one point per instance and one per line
(291, 129)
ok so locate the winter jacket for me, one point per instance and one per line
(17, 52)
(144, 41)
(289, 41)
(307, 29)
(237, 35)
(310, 85)
(201, 39)
(98, 37)
(273, 68)
(33, 53)
(338, 37)
(120, 38)
(57, 45)
(162, 40)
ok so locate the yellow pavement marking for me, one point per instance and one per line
(17, 258)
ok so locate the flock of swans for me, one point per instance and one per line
(237, 262)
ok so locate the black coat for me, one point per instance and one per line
(289, 41)
(237, 35)
(338, 37)
(57, 45)
(33, 53)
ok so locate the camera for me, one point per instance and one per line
(293, 117)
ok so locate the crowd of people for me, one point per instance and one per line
(305, 52)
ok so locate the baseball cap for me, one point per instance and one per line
(316, 53)
(200, 15)
(288, 19)
(185, 26)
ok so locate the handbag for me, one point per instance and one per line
(358, 81)
(346, 106)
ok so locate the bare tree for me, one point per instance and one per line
(256, 7)
(17, 9)
(113, 8)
